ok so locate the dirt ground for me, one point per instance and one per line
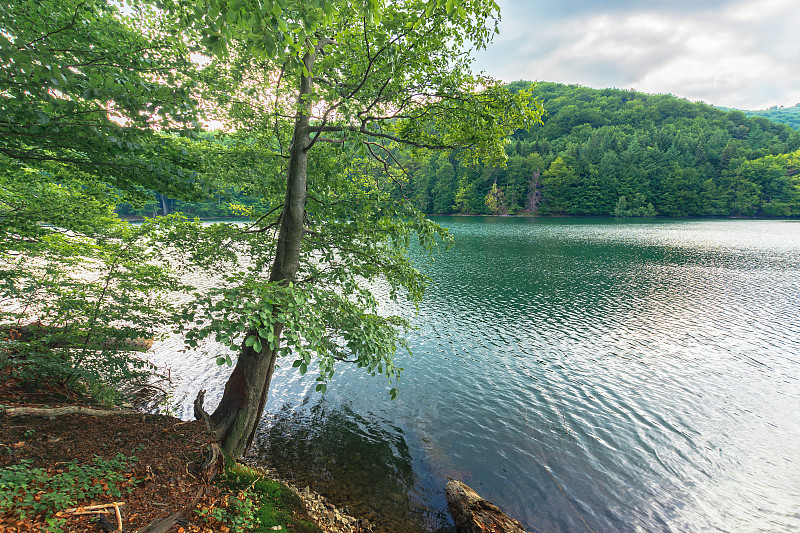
(164, 478)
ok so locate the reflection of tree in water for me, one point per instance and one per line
(353, 461)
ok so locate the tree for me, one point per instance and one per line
(89, 104)
(559, 182)
(496, 201)
(84, 87)
(355, 82)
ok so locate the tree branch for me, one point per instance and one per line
(362, 130)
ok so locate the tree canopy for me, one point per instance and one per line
(89, 105)
(316, 98)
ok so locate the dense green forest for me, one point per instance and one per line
(622, 153)
(783, 115)
(599, 153)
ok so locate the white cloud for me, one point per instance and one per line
(740, 54)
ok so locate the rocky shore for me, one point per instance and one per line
(325, 514)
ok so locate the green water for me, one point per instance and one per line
(584, 374)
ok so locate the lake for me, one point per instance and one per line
(583, 374)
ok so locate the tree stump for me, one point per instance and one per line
(473, 514)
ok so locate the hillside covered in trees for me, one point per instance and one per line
(783, 115)
(621, 153)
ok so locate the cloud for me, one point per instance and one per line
(734, 53)
(566, 9)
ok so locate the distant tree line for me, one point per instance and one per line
(225, 204)
(621, 153)
(606, 152)
(783, 115)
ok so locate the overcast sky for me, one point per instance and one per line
(734, 53)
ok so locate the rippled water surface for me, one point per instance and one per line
(583, 374)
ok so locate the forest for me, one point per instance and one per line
(783, 115)
(623, 153)
(599, 153)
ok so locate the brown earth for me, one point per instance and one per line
(165, 478)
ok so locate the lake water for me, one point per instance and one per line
(583, 374)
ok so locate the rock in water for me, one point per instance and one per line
(473, 514)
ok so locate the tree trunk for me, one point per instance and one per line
(534, 192)
(164, 206)
(236, 418)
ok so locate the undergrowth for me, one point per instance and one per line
(33, 494)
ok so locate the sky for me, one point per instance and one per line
(732, 53)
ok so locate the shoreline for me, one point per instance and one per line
(163, 477)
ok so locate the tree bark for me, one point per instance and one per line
(473, 514)
(236, 418)
(163, 200)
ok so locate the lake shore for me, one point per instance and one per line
(155, 459)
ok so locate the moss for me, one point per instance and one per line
(276, 504)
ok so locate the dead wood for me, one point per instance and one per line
(60, 337)
(52, 412)
(97, 507)
(473, 514)
(199, 412)
(119, 517)
(214, 463)
(161, 526)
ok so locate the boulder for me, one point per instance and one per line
(473, 514)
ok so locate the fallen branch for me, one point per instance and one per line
(161, 526)
(101, 508)
(83, 508)
(58, 337)
(52, 412)
(119, 517)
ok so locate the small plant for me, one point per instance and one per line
(237, 512)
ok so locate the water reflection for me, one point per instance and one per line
(351, 459)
